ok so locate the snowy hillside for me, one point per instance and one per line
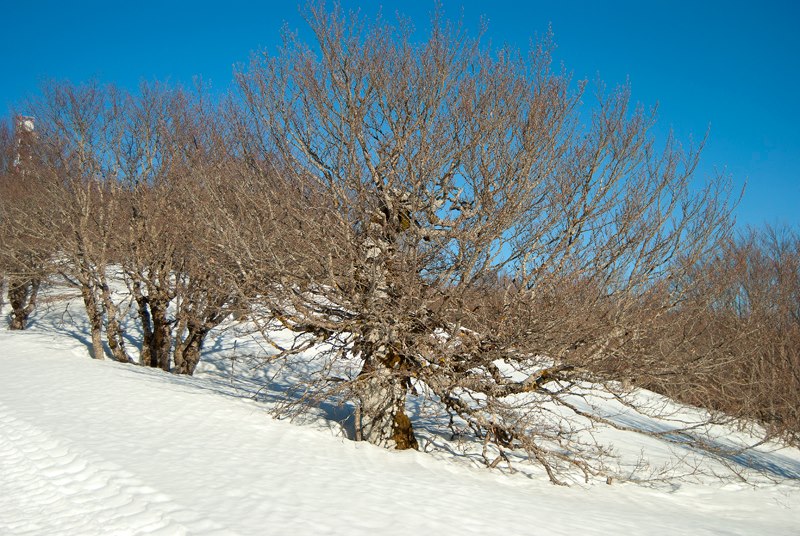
(92, 447)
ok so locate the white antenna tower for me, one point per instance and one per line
(24, 131)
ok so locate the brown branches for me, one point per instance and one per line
(471, 218)
(733, 345)
(430, 218)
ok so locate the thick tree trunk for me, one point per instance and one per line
(22, 296)
(161, 343)
(382, 398)
(17, 321)
(156, 330)
(116, 342)
(97, 343)
(187, 352)
(381, 387)
(143, 310)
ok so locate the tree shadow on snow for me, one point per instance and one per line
(734, 455)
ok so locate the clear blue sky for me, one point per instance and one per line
(730, 65)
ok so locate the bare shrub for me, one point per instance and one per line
(734, 345)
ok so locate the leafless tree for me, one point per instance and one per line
(734, 344)
(171, 155)
(76, 204)
(434, 221)
(123, 180)
(6, 159)
(25, 259)
(487, 241)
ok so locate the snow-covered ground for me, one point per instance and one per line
(91, 447)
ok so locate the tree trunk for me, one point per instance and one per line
(161, 343)
(381, 387)
(156, 329)
(114, 331)
(116, 343)
(97, 343)
(95, 317)
(22, 296)
(382, 397)
(187, 352)
(142, 308)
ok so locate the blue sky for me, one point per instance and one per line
(733, 67)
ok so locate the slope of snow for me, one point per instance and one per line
(92, 447)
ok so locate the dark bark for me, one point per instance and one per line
(162, 335)
(145, 357)
(187, 353)
(156, 329)
(95, 316)
(22, 294)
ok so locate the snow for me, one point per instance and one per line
(90, 447)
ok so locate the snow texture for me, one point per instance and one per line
(90, 447)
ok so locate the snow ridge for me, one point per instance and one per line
(96, 448)
(50, 486)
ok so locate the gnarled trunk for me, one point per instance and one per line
(382, 389)
(22, 295)
(116, 342)
(187, 352)
(161, 339)
(114, 330)
(156, 329)
(382, 385)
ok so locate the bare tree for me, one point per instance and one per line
(483, 244)
(77, 200)
(123, 180)
(734, 344)
(25, 259)
(6, 163)
(172, 154)
(435, 220)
